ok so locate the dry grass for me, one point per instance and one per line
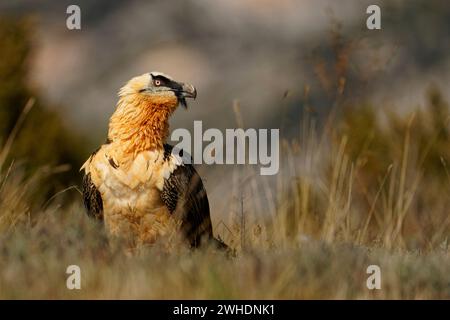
(333, 211)
(34, 259)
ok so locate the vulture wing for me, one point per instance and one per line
(185, 196)
(92, 198)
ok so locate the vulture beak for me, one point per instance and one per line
(187, 91)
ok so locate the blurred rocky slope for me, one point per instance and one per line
(255, 51)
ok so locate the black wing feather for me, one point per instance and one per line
(185, 196)
(92, 198)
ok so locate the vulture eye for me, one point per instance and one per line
(157, 83)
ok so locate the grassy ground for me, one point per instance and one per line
(341, 206)
(34, 261)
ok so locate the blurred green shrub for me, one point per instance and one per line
(43, 139)
(376, 139)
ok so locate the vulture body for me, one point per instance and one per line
(134, 182)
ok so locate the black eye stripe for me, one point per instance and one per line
(164, 82)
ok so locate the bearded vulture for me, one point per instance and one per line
(142, 190)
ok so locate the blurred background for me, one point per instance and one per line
(258, 63)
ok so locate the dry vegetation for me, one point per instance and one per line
(334, 217)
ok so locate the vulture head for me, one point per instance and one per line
(160, 89)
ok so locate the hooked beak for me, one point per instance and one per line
(187, 91)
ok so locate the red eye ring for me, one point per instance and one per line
(157, 82)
